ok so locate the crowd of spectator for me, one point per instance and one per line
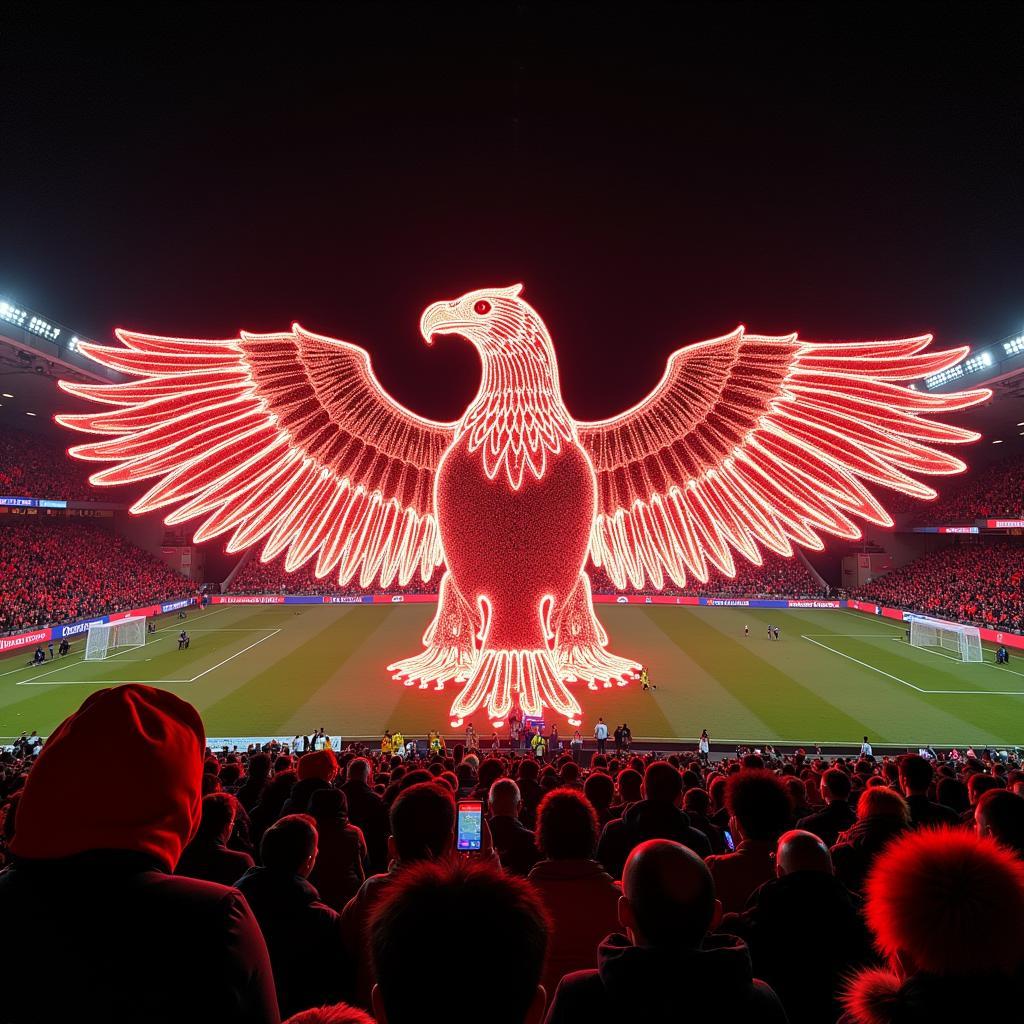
(256, 577)
(55, 569)
(170, 883)
(996, 491)
(776, 577)
(978, 583)
(31, 466)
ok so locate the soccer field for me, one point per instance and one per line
(280, 670)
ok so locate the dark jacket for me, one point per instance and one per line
(340, 861)
(713, 983)
(515, 843)
(827, 823)
(367, 811)
(779, 918)
(111, 933)
(311, 966)
(925, 813)
(856, 849)
(643, 820)
(212, 861)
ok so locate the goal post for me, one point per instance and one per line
(104, 637)
(963, 642)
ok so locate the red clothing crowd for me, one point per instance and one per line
(325, 884)
(54, 570)
(995, 491)
(981, 584)
(775, 577)
(256, 577)
(34, 467)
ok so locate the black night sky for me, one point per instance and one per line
(654, 174)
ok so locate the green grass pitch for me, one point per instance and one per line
(279, 670)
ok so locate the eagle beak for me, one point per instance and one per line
(436, 319)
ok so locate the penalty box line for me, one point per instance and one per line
(897, 679)
(150, 682)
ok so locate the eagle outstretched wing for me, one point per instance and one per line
(753, 441)
(283, 438)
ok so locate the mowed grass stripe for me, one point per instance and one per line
(315, 649)
(784, 705)
(327, 667)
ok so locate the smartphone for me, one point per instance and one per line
(470, 824)
(729, 844)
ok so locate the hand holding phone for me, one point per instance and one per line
(470, 825)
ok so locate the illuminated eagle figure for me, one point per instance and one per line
(289, 441)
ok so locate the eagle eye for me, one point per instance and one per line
(481, 307)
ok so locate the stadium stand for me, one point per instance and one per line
(997, 491)
(978, 583)
(775, 577)
(829, 884)
(256, 577)
(56, 570)
(35, 467)
(993, 490)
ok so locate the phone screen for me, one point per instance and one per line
(729, 844)
(471, 814)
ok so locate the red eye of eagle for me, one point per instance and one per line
(481, 307)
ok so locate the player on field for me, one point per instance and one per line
(746, 631)
(775, 630)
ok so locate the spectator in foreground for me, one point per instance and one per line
(303, 934)
(104, 927)
(916, 775)
(497, 980)
(945, 907)
(515, 843)
(667, 966)
(207, 856)
(882, 814)
(366, 810)
(656, 816)
(805, 899)
(760, 811)
(341, 849)
(422, 829)
(581, 898)
(837, 815)
(1000, 814)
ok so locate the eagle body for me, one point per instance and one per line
(511, 552)
(288, 442)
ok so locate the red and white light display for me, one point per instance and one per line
(289, 441)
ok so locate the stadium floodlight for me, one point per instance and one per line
(288, 440)
(13, 314)
(1014, 346)
(37, 325)
(104, 637)
(963, 642)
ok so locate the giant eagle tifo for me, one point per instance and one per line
(289, 441)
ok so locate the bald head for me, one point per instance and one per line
(802, 851)
(669, 896)
(504, 798)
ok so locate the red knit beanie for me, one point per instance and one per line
(150, 801)
(318, 764)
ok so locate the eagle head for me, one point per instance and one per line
(493, 319)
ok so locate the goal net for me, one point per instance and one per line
(105, 637)
(963, 642)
